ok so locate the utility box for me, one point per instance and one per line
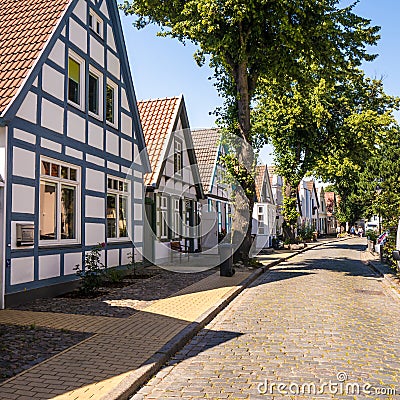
(25, 234)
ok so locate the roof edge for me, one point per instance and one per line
(36, 62)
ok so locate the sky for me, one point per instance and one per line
(164, 67)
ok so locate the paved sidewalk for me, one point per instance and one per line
(124, 352)
(319, 326)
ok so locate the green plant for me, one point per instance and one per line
(132, 264)
(92, 274)
(114, 275)
(305, 232)
(371, 235)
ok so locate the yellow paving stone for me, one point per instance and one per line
(94, 367)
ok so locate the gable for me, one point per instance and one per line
(207, 146)
(157, 119)
(100, 51)
(17, 57)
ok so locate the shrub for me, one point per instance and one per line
(371, 235)
(305, 232)
(114, 275)
(92, 274)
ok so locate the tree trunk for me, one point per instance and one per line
(245, 154)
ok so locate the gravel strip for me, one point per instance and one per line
(122, 302)
(22, 347)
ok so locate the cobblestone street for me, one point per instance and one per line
(322, 316)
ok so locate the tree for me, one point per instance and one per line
(380, 180)
(248, 39)
(363, 121)
(328, 128)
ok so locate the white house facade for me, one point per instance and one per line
(173, 188)
(217, 208)
(264, 211)
(70, 140)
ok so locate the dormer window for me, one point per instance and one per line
(96, 23)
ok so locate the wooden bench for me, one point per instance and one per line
(177, 247)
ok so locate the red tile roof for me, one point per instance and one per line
(259, 180)
(25, 29)
(206, 144)
(157, 118)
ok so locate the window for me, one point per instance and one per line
(59, 189)
(74, 80)
(178, 157)
(163, 217)
(177, 218)
(260, 221)
(110, 103)
(227, 218)
(117, 208)
(95, 23)
(93, 93)
(219, 213)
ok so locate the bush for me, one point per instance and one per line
(305, 233)
(114, 275)
(371, 235)
(92, 274)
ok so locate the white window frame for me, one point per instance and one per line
(219, 215)
(177, 219)
(119, 194)
(178, 145)
(59, 182)
(82, 87)
(260, 221)
(115, 87)
(162, 215)
(99, 76)
(96, 19)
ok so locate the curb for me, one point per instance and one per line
(390, 279)
(131, 383)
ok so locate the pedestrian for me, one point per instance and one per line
(360, 231)
(338, 231)
(352, 231)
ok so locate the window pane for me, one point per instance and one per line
(64, 172)
(45, 170)
(110, 104)
(72, 174)
(91, 20)
(111, 216)
(48, 211)
(123, 207)
(93, 94)
(109, 183)
(68, 212)
(55, 170)
(73, 80)
(120, 186)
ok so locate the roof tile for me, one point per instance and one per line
(25, 29)
(206, 145)
(156, 117)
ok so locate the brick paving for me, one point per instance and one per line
(94, 367)
(305, 321)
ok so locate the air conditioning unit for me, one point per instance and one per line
(25, 234)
